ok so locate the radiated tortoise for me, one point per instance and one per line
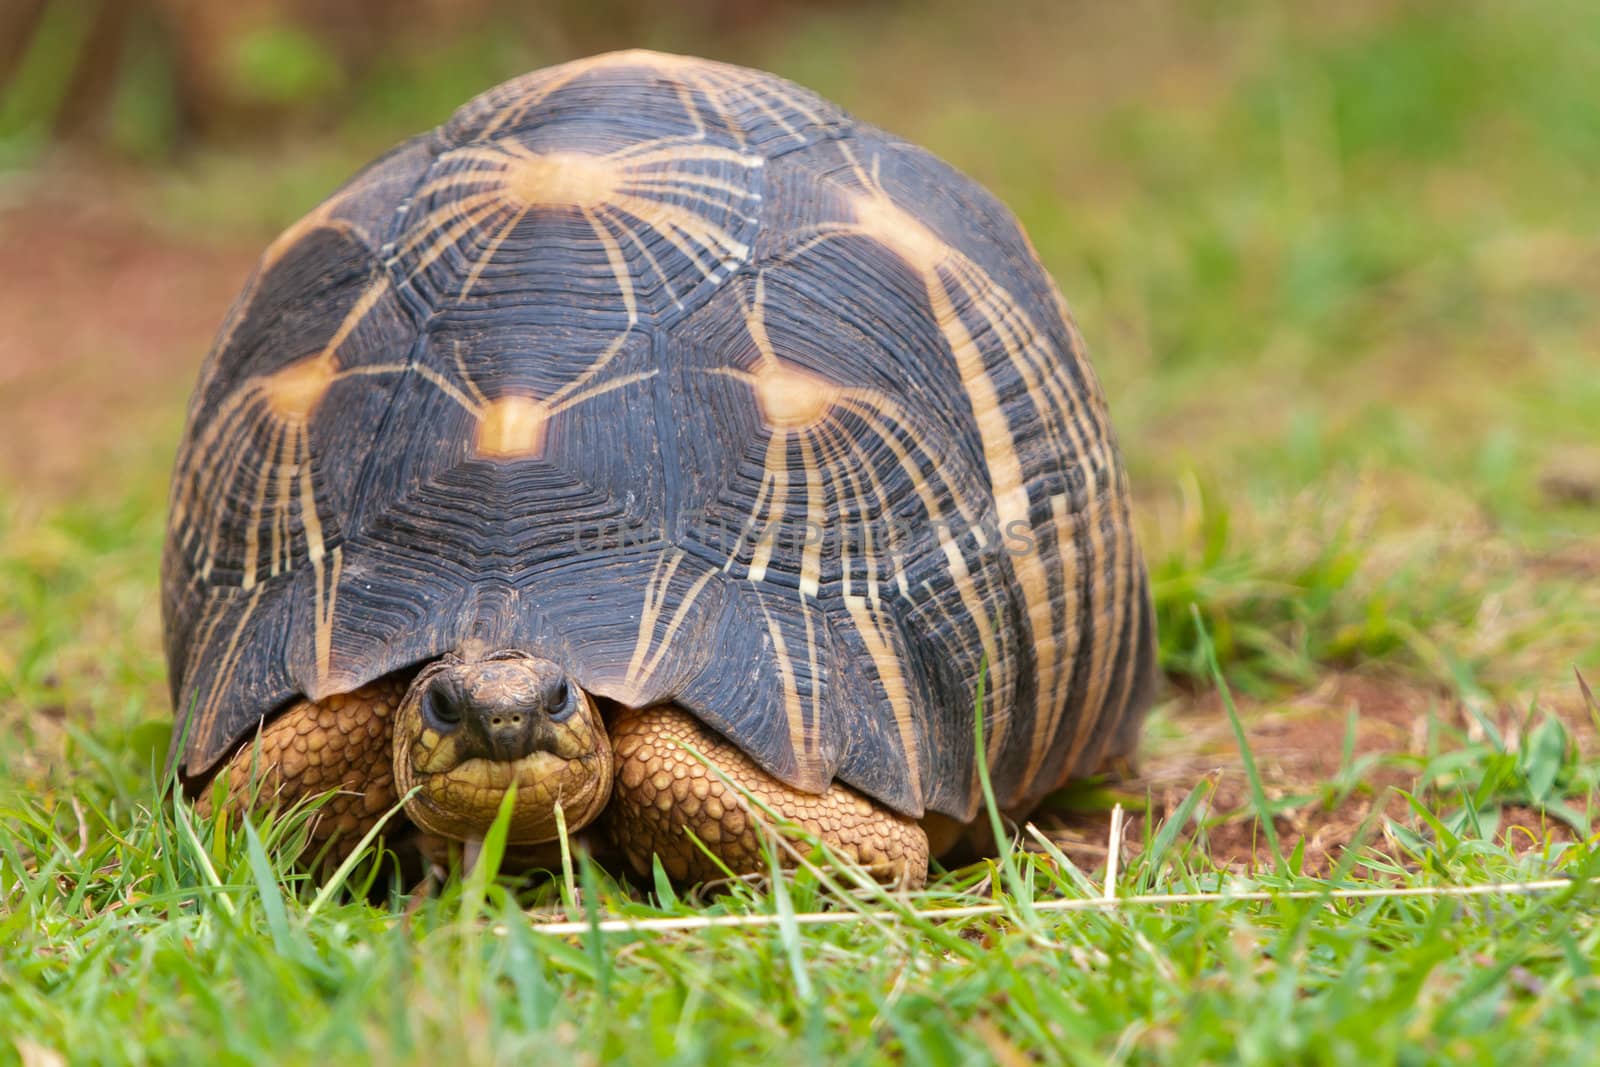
(650, 433)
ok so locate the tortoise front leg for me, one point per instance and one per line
(341, 745)
(661, 790)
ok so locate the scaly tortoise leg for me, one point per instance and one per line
(341, 745)
(661, 790)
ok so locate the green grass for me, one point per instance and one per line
(147, 941)
(1337, 274)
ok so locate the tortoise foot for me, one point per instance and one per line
(339, 745)
(661, 790)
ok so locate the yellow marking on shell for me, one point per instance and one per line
(325, 216)
(755, 320)
(654, 597)
(569, 398)
(970, 600)
(1055, 648)
(294, 392)
(204, 459)
(252, 533)
(1105, 626)
(229, 664)
(1067, 551)
(791, 398)
(777, 477)
(622, 190)
(577, 179)
(898, 230)
(648, 188)
(880, 411)
(280, 508)
(1077, 425)
(326, 586)
(816, 516)
(461, 369)
(210, 462)
(639, 245)
(892, 679)
(484, 260)
(320, 217)
(427, 374)
(813, 731)
(619, 266)
(512, 427)
(755, 513)
(857, 473)
(675, 623)
(804, 758)
(1005, 474)
(1136, 604)
(1084, 416)
(865, 610)
(315, 219)
(634, 184)
(447, 226)
(843, 480)
(211, 618)
(542, 84)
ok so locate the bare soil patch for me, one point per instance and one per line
(1298, 744)
(103, 323)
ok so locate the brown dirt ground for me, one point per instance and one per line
(103, 323)
(1298, 745)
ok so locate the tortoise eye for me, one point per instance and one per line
(560, 697)
(441, 704)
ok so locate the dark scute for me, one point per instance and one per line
(229, 686)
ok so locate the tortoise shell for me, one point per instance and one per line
(673, 373)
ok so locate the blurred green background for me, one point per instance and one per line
(1336, 267)
(1338, 271)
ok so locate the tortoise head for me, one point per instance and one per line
(470, 728)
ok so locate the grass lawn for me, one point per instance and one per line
(1337, 275)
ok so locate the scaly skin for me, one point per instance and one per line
(340, 745)
(662, 790)
(360, 743)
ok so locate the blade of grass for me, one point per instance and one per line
(476, 886)
(336, 881)
(788, 929)
(268, 890)
(1258, 793)
(202, 858)
(1005, 848)
(596, 943)
(1172, 826)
